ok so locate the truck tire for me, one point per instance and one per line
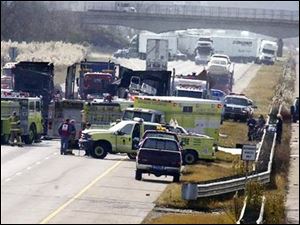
(5, 139)
(99, 151)
(28, 139)
(131, 155)
(189, 157)
(138, 175)
(176, 178)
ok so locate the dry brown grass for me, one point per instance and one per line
(205, 218)
(206, 171)
(236, 133)
(262, 89)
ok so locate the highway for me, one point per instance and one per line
(38, 185)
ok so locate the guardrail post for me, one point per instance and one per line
(189, 191)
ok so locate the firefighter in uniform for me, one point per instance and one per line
(15, 129)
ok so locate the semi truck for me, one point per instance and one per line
(187, 44)
(92, 78)
(35, 78)
(157, 55)
(204, 50)
(29, 111)
(267, 52)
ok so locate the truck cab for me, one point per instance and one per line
(267, 52)
(124, 137)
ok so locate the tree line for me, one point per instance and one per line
(33, 21)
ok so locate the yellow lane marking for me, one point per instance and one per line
(53, 214)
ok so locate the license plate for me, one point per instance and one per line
(158, 167)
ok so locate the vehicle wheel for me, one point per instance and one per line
(189, 157)
(294, 119)
(31, 136)
(5, 139)
(99, 151)
(131, 155)
(176, 178)
(138, 175)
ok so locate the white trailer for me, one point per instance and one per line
(144, 36)
(157, 54)
(187, 44)
(239, 49)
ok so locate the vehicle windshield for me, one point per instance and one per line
(160, 144)
(187, 93)
(237, 101)
(130, 115)
(96, 83)
(219, 62)
(204, 50)
(118, 126)
(268, 51)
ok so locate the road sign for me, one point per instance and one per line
(248, 152)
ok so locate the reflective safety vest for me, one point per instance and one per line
(14, 124)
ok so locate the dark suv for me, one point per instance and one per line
(237, 107)
(159, 156)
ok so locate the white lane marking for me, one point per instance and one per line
(18, 173)
(29, 168)
(8, 179)
(46, 158)
(38, 163)
(55, 153)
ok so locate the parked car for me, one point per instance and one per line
(121, 53)
(295, 110)
(159, 156)
(237, 107)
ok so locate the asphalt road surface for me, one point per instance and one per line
(38, 185)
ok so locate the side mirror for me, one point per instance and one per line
(119, 133)
(182, 143)
(254, 107)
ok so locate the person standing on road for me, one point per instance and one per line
(251, 127)
(279, 126)
(65, 132)
(72, 141)
(15, 129)
(87, 150)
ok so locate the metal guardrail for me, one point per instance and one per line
(228, 186)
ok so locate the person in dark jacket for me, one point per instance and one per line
(279, 125)
(15, 129)
(65, 132)
(251, 127)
